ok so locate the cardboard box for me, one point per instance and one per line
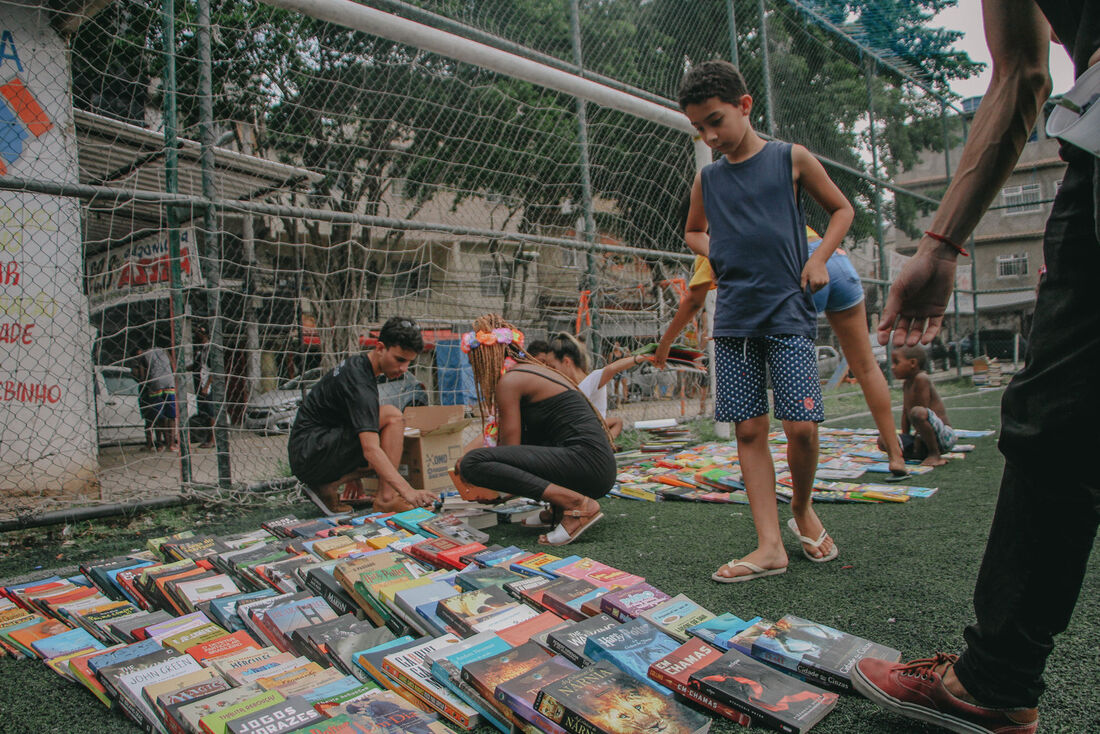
(432, 452)
(433, 443)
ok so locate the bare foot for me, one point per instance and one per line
(810, 526)
(897, 467)
(936, 460)
(767, 559)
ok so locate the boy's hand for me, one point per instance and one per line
(814, 274)
(660, 357)
(920, 293)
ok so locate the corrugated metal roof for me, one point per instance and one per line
(124, 156)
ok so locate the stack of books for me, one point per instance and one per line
(351, 624)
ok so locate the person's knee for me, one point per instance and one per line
(802, 433)
(917, 414)
(753, 430)
(388, 416)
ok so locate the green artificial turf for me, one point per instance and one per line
(904, 578)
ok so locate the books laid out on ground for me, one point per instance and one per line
(668, 465)
(387, 622)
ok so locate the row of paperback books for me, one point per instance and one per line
(386, 621)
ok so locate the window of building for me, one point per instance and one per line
(571, 258)
(1010, 266)
(1021, 199)
(491, 283)
(410, 277)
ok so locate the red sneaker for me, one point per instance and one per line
(916, 690)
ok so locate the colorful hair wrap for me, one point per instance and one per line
(474, 339)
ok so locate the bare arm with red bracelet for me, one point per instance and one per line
(1018, 37)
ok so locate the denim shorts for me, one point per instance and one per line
(742, 389)
(844, 289)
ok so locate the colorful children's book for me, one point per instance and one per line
(820, 653)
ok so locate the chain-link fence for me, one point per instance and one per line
(222, 199)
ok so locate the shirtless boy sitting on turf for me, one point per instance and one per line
(922, 410)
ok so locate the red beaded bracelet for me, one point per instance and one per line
(940, 238)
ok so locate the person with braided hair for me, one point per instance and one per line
(544, 438)
(567, 355)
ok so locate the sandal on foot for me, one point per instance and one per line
(545, 519)
(560, 536)
(337, 509)
(792, 525)
(757, 572)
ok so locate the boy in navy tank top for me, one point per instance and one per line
(748, 201)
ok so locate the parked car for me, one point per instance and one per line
(999, 343)
(274, 411)
(118, 406)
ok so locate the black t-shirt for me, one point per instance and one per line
(1077, 25)
(347, 397)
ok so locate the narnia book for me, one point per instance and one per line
(601, 699)
(820, 653)
(772, 698)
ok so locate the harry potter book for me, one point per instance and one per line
(632, 648)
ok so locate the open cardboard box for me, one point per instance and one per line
(433, 443)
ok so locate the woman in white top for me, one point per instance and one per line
(568, 356)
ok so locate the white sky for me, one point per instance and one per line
(967, 17)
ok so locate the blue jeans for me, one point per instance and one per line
(1049, 504)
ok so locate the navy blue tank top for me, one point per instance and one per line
(758, 246)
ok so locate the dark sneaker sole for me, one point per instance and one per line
(912, 710)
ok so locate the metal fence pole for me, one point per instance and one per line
(765, 59)
(171, 186)
(590, 235)
(211, 240)
(731, 21)
(879, 233)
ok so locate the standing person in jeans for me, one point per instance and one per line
(1045, 523)
(153, 370)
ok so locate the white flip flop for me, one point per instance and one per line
(792, 525)
(757, 572)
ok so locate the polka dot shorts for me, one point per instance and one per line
(742, 390)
